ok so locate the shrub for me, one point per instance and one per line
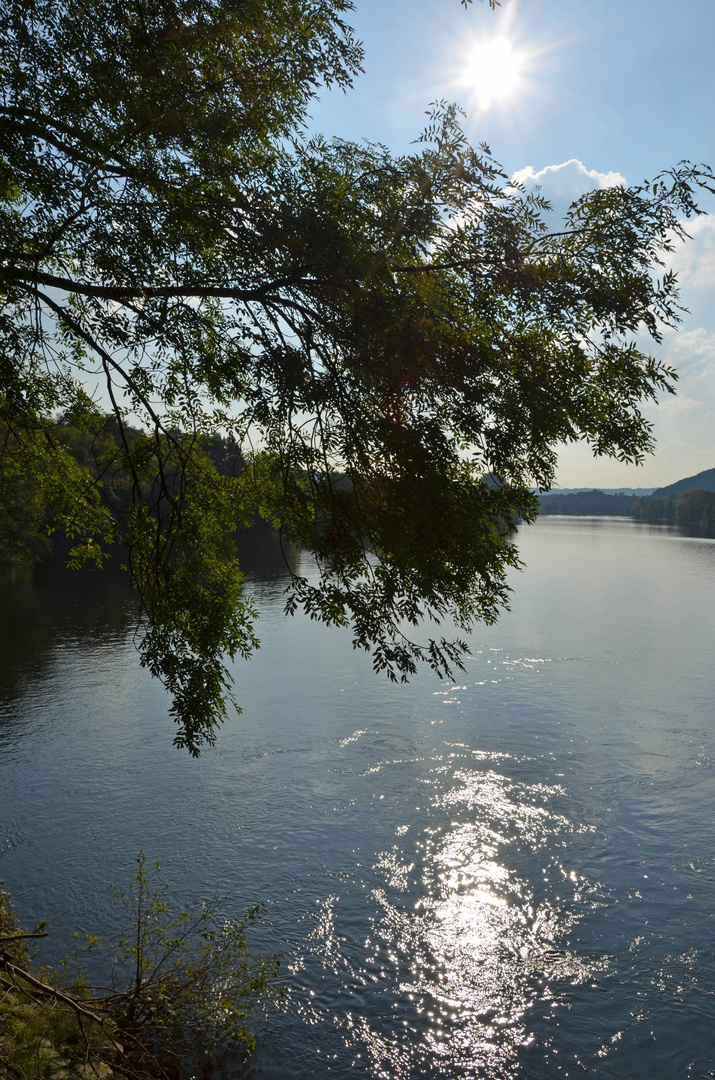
(183, 990)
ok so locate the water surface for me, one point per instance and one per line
(507, 877)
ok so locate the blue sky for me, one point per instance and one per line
(609, 91)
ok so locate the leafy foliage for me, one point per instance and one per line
(183, 992)
(376, 333)
(34, 1031)
(184, 988)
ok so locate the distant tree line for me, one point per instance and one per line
(692, 508)
(26, 521)
(585, 503)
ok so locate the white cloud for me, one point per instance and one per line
(691, 352)
(694, 261)
(574, 172)
(562, 184)
(674, 406)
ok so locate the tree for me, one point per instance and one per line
(378, 334)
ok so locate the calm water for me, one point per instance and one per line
(510, 877)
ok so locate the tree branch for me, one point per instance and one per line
(119, 293)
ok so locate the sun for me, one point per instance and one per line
(493, 71)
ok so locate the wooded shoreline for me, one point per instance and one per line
(691, 508)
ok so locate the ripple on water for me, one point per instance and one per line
(468, 918)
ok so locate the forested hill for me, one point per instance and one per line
(690, 501)
(703, 481)
(27, 527)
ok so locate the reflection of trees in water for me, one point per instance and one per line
(262, 555)
(48, 606)
(690, 528)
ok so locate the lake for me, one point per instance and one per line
(512, 876)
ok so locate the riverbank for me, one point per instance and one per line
(46, 1032)
(179, 995)
(694, 508)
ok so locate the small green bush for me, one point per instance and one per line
(183, 990)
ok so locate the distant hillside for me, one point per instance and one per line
(679, 504)
(604, 491)
(704, 481)
(587, 503)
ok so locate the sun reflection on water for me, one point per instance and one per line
(469, 928)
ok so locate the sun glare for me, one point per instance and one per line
(494, 69)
